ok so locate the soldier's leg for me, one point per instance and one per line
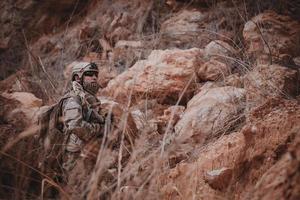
(69, 162)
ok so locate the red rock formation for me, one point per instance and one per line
(218, 121)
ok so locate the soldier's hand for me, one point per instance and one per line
(96, 118)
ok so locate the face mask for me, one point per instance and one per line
(91, 87)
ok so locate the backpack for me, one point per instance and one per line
(51, 136)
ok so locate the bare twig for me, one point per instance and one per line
(47, 75)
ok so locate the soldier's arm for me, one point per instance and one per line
(74, 122)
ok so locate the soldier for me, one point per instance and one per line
(80, 118)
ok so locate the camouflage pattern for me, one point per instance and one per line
(80, 125)
(80, 67)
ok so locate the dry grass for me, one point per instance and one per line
(137, 176)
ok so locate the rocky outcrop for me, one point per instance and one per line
(120, 119)
(218, 179)
(270, 81)
(179, 129)
(219, 49)
(28, 107)
(171, 116)
(25, 21)
(273, 183)
(213, 70)
(183, 28)
(210, 113)
(219, 56)
(269, 36)
(248, 155)
(164, 75)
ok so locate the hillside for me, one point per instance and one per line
(204, 93)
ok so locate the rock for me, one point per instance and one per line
(183, 29)
(139, 119)
(163, 75)
(218, 48)
(88, 30)
(28, 107)
(120, 33)
(143, 124)
(174, 112)
(120, 117)
(92, 57)
(106, 48)
(263, 163)
(234, 80)
(270, 81)
(210, 113)
(125, 43)
(124, 57)
(264, 33)
(219, 64)
(218, 179)
(170, 118)
(27, 100)
(213, 70)
(273, 183)
(215, 155)
(125, 54)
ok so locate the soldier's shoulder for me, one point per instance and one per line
(71, 100)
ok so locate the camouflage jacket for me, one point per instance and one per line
(80, 123)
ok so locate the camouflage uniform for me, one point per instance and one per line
(80, 124)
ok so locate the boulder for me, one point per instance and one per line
(219, 54)
(234, 80)
(123, 57)
(126, 53)
(143, 124)
(263, 157)
(269, 81)
(218, 179)
(171, 115)
(120, 117)
(183, 29)
(27, 109)
(191, 178)
(271, 35)
(209, 113)
(163, 75)
(218, 48)
(139, 119)
(273, 183)
(213, 70)
(27, 100)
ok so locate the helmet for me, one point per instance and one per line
(80, 67)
